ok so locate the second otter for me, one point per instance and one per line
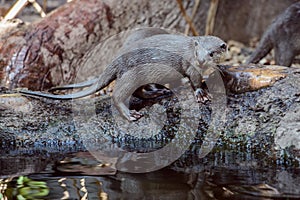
(283, 35)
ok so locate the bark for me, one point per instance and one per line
(267, 117)
(44, 53)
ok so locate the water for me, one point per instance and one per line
(41, 175)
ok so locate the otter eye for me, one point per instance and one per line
(223, 46)
(211, 54)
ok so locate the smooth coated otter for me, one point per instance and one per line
(283, 35)
(145, 92)
(187, 55)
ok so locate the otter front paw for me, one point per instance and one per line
(202, 95)
(135, 115)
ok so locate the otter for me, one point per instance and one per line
(283, 35)
(144, 92)
(187, 55)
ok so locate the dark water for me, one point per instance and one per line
(74, 176)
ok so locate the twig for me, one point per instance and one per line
(45, 5)
(19, 5)
(210, 22)
(195, 8)
(38, 8)
(15, 9)
(187, 18)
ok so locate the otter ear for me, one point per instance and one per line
(223, 46)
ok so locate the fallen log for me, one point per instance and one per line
(265, 120)
(38, 55)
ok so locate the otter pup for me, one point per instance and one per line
(187, 55)
(283, 35)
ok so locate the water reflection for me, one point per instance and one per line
(190, 181)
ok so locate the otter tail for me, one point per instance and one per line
(105, 78)
(75, 85)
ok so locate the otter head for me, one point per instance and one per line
(209, 49)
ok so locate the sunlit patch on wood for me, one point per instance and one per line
(246, 78)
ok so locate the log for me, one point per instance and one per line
(40, 54)
(265, 120)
